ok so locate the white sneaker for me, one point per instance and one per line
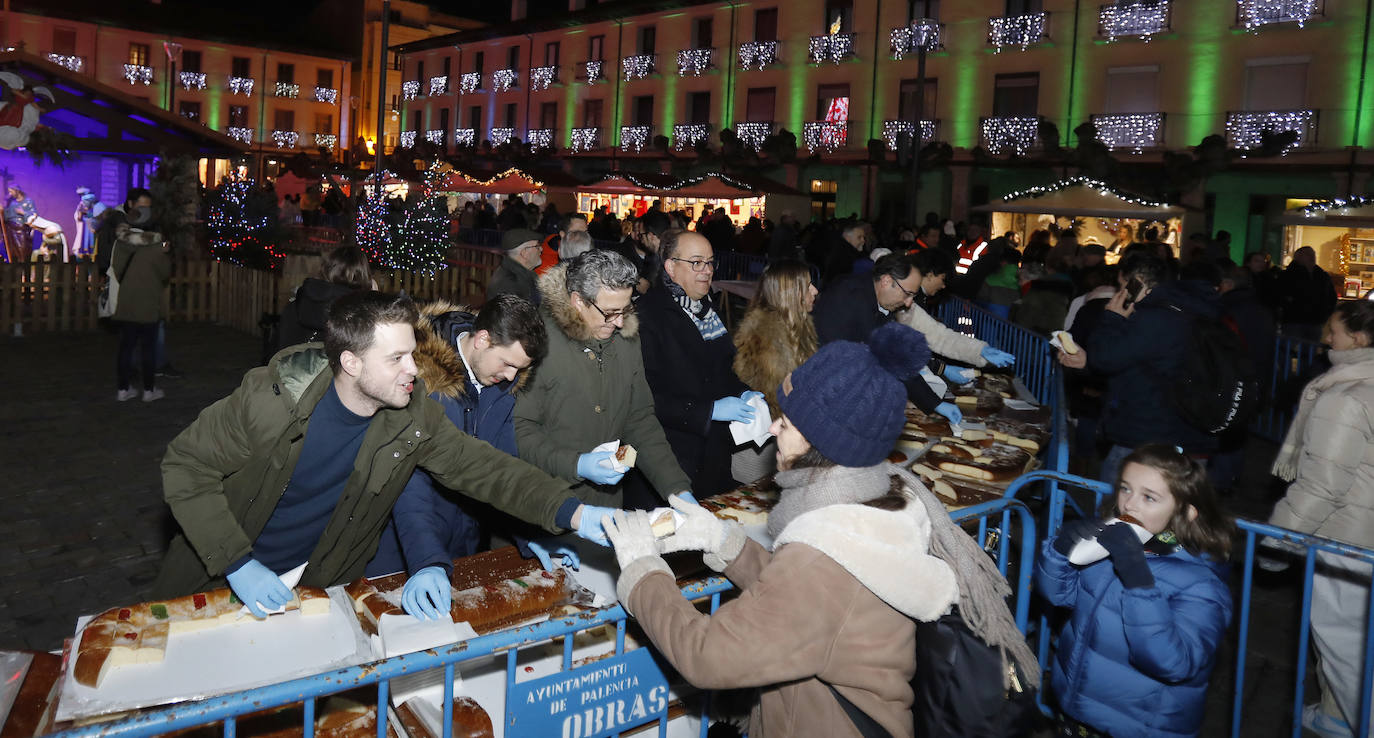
(152, 394)
(126, 394)
(1317, 721)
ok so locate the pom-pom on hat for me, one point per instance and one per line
(848, 399)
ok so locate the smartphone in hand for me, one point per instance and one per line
(1133, 289)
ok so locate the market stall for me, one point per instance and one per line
(631, 194)
(1341, 232)
(1101, 214)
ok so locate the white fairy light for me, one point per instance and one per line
(751, 133)
(239, 133)
(464, 136)
(893, 130)
(1134, 131)
(1336, 203)
(137, 73)
(686, 135)
(410, 89)
(501, 136)
(192, 80)
(692, 62)
(638, 66)
(326, 95)
(824, 135)
(285, 139)
(593, 71)
(542, 78)
(635, 138)
(1098, 185)
(540, 139)
(833, 48)
(435, 136)
(241, 86)
(74, 63)
(438, 85)
(503, 80)
(1245, 129)
(1139, 18)
(1256, 13)
(758, 54)
(585, 139)
(326, 140)
(287, 89)
(470, 82)
(1016, 133)
(911, 38)
(407, 139)
(1017, 30)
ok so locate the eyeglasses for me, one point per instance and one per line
(697, 266)
(626, 311)
(904, 290)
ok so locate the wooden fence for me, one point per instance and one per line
(51, 297)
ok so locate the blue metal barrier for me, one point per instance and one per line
(1293, 360)
(1005, 506)
(480, 236)
(735, 265)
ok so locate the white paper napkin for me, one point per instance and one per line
(755, 430)
(403, 634)
(613, 462)
(290, 579)
(937, 384)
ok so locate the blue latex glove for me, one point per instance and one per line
(547, 549)
(734, 409)
(591, 468)
(255, 585)
(958, 375)
(997, 357)
(951, 412)
(589, 525)
(750, 394)
(685, 494)
(427, 593)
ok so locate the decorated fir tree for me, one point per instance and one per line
(242, 225)
(421, 239)
(374, 233)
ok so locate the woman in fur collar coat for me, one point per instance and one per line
(777, 334)
(861, 548)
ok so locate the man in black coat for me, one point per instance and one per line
(687, 361)
(1307, 295)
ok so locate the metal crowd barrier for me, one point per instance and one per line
(1004, 524)
(1091, 494)
(480, 236)
(735, 265)
(1293, 360)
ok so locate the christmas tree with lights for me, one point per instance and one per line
(374, 234)
(418, 241)
(243, 226)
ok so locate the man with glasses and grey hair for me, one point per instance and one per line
(591, 388)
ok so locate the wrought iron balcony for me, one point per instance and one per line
(1016, 133)
(1245, 129)
(326, 140)
(825, 135)
(470, 82)
(542, 78)
(501, 136)
(687, 135)
(692, 62)
(833, 48)
(70, 61)
(192, 80)
(1018, 30)
(438, 85)
(1134, 131)
(638, 66)
(586, 139)
(504, 80)
(285, 139)
(752, 133)
(918, 35)
(895, 130)
(464, 136)
(410, 89)
(1255, 13)
(138, 74)
(540, 139)
(240, 133)
(241, 86)
(1140, 19)
(758, 54)
(635, 138)
(287, 89)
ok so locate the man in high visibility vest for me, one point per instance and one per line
(972, 248)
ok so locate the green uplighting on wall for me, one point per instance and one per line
(569, 113)
(669, 104)
(798, 84)
(1203, 55)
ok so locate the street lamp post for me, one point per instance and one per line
(920, 36)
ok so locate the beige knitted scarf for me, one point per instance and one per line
(1349, 366)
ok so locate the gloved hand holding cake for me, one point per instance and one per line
(1088, 550)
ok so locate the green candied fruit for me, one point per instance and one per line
(234, 599)
(521, 583)
(159, 611)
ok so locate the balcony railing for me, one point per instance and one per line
(586, 139)
(435, 136)
(833, 48)
(692, 62)
(240, 133)
(408, 139)
(1018, 30)
(1017, 133)
(1245, 129)
(501, 136)
(758, 54)
(285, 139)
(138, 74)
(594, 70)
(912, 38)
(542, 78)
(1255, 13)
(825, 135)
(192, 80)
(70, 61)
(241, 86)
(438, 85)
(326, 140)
(895, 130)
(464, 136)
(540, 139)
(638, 66)
(687, 135)
(504, 80)
(470, 82)
(1138, 19)
(326, 95)
(752, 133)
(1134, 131)
(287, 89)
(635, 138)
(410, 90)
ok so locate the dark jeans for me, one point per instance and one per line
(133, 335)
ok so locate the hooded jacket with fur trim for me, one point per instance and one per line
(587, 392)
(833, 604)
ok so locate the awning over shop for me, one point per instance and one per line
(1079, 196)
(709, 186)
(510, 182)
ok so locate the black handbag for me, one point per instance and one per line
(959, 686)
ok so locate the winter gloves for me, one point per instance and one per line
(719, 541)
(636, 550)
(1128, 556)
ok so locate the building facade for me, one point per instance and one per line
(595, 86)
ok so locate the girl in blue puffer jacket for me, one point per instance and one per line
(1135, 655)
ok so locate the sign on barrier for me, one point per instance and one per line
(599, 699)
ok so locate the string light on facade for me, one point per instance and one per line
(540, 139)
(435, 136)
(470, 82)
(912, 38)
(503, 80)
(288, 89)
(585, 139)
(542, 78)
(326, 95)
(241, 86)
(635, 138)
(74, 63)
(824, 135)
(692, 62)
(638, 66)
(1101, 187)
(240, 133)
(138, 73)
(1016, 133)
(501, 136)
(407, 139)
(752, 133)
(326, 140)
(438, 85)
(1139, 19)
(464, 136)
(635, 180)
(410, 89)
(593, 71)
(192, 80)
(1245, 129)
(285, 139)
(687, 135)
(833, 48)
(758, 54)
(1255, 13)
(1017, 30)
(1134, 131)
(1317, 207)
(894, 130)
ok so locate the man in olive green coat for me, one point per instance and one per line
(303, 462)
(591, 389)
